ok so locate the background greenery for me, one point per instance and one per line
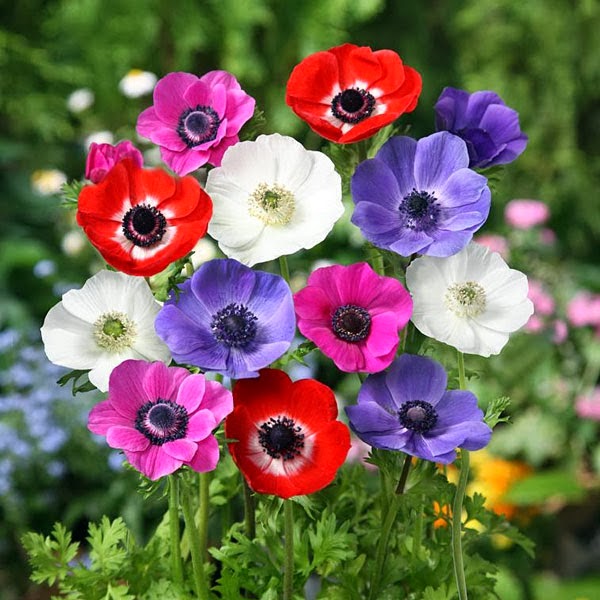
(541, 56)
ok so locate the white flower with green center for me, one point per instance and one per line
(109, 320)
(272, 197)
(471, 300)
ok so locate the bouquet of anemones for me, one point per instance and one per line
(199, 361)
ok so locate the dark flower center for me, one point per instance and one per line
(281, 438)
(234, 325)
(162, 421)
(351, 323)
(353, 105)
(420, 211)
(198, 125)
(144, 225)
(418, 416)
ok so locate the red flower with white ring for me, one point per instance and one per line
(141, 220)
(348, 93)
(288, 441)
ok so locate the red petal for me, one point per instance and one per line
(314, 79)
(357, 63)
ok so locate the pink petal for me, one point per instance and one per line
(183, 449)
(218, 400)
(216, 152)
(163, 382)
(154, 463)
(240, 108)
(191, 391)
(185, 162)
(201, 94)
(207, 455)
(125, 389)
(151, 127)
(227, 79)
(103, 416)
(126, 438)
(169, 101)
(200, 425)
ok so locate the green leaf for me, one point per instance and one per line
(85, 386)
(548, 485)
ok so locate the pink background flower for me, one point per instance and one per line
(524, 214)
(588, 407)
(103, 157)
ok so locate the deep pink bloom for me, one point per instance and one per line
(588, 407)
(524, 214)
(584, 309)
(162, 417)
(496, 243)
(102, 158)
(195, 119)
(353, 315)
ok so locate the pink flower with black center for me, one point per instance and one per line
(353, 315)
(162, 417)
(195, 119)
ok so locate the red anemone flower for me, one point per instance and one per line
(348, 93)
(141, 220)
(288, 441)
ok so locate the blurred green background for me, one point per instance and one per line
(541, 56)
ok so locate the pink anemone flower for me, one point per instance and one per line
(162, 417)
(195, 119)
(353, 315)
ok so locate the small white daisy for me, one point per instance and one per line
(137, 83)
(109, 320)
(471, 300)
(272, 197)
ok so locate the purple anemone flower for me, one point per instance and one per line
(408, 408)
(195, 119)
(229, 319)
(420, 196)
(489, 127)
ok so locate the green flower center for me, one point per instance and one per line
(272, 204)
(114, 332)
(465, 299)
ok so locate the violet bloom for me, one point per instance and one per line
(162, 417)
(229, 319)
(102, 158)
(408, 408)
(489, 127)
(420, 196)
(195, 119)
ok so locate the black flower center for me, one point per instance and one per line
(144, 225)
(353, 105)
(418, 416)
(351, 323)
(281, 438)
(162, 421)
(234, 325)
(198, 125)
(420, 211)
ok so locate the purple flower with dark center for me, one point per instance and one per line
(408, 408)
(490, 128)
(420, 196)
(195, 119)
(229, 319)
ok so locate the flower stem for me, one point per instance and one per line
(195, 549)
(288, 569)
(174, 534)
(284, 268)
(386, 530)
(457, 553)
(417, 534)
(204, 482)
(249, 511)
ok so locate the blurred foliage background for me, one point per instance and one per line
(542, 57)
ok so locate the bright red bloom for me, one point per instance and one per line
(348, 93)
(141, 220)
(289, 442)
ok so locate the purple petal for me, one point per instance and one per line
(448, 243)
(169, 101)
(450, 109)
(411, 241)
(462, 188)
(378, 224)
(412, 377)
(375, 182)
(437, 157)
(126, 438)
(479, 102)
(398, 153)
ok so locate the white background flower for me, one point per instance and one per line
(109, 320)
(137, 83)
(471, 300)
(272, 197)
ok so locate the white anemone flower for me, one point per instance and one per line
(471, 300)
(272, 197)
(109, 320)
(137, 83)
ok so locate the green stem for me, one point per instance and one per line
(457, 553)
(288, 569)
(249, 511)
(284, 268)
(197, 558)
(174, 533)
(386, 530)
(418, 534)
(204, 482)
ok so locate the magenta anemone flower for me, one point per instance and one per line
(353, 315)
(162, 417)
(102, 158)
(195, 119)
